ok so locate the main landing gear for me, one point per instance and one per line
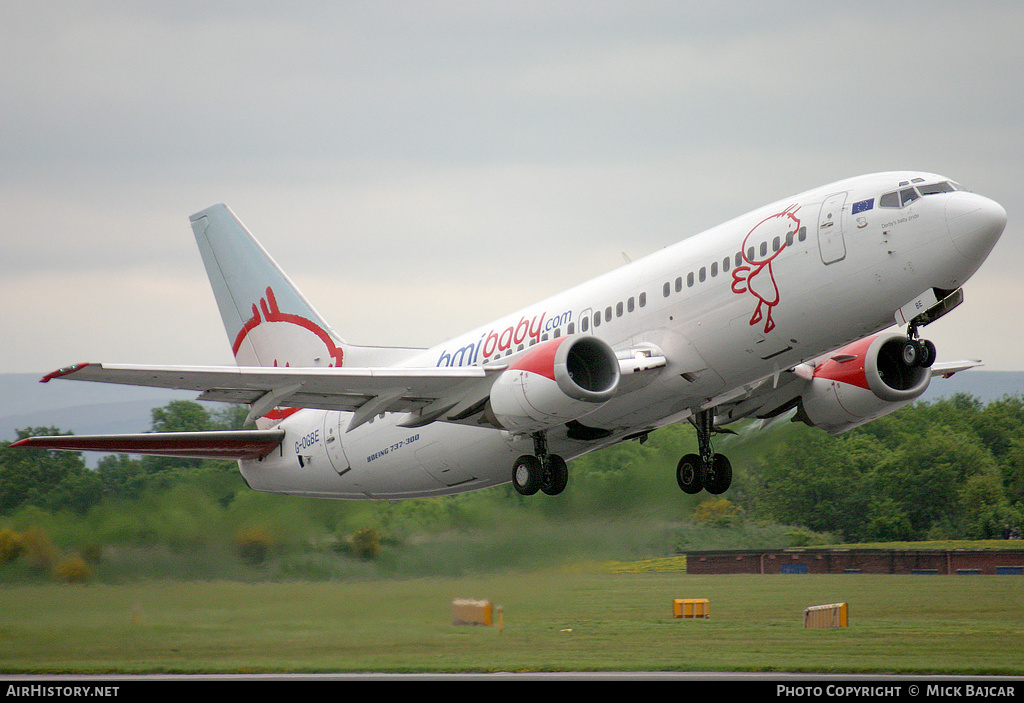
(706, 470)
(540, 471)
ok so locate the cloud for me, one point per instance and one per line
(421, 167)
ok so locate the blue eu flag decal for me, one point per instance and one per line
(863, 205)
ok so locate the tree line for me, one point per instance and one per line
(60, 481)
(949, 469)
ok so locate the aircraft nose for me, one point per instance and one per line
(975, 223)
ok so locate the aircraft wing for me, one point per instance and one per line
(430, 392)
(772, 398)
(456, 394)
(231, 444)
(948, 368)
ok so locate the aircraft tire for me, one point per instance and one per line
(527, 475)
(555, 476)
(689, 474)
(928, 354)
(911, 353)
(719, 477)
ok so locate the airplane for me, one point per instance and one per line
(808, 308)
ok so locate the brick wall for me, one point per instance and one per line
(865, 561)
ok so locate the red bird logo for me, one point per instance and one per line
(773, 234)
(275, 338)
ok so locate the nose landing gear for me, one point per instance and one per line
(916, 351)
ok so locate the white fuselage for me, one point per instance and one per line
(728, 308)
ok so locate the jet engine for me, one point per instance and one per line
(865, 380)
(555, 382)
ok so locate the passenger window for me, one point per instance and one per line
(803, 234)
(571, 329)
(689, 280)
(666, 289)
(643, 299)
(597, 319)
(725, 264)
(714, 269)
(702, 274)
(630, 305)
(618, 309)
(608, 314)
(584, 324)
(679, 284)
(764, 248)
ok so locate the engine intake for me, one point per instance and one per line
(555, 382)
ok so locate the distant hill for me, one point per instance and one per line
(82, 408)
(986, 386)
(99, 408)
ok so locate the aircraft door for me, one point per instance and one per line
(333, 442)
(830, 229)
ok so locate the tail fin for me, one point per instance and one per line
(268, 321)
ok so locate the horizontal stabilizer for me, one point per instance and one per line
(232, 444)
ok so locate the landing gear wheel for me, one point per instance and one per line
(690, 474)
(527, 475)
(928, 354)
(912, 353)
(719, 476)
(555, 475)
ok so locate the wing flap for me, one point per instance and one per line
(331, 388)
(229, 444)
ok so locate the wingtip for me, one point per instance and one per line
(65, 371)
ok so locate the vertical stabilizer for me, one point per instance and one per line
(268, 321)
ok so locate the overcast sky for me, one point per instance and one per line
(419, 168)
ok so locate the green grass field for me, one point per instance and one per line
(559, 620)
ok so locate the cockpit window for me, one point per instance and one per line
(908, 195)
(889, 200)
(933, 188)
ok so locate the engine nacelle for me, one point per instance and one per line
(862, 382)
(555, 382)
